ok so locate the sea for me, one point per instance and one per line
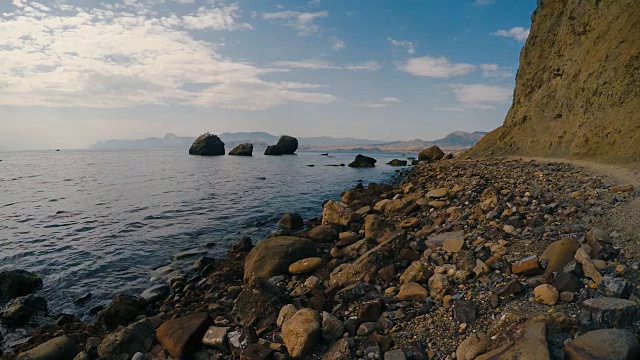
(100, 222)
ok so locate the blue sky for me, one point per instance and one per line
(73, 72)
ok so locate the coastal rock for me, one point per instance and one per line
(122, 310)
(559, 254)
(531, 346)
(258, 304)
(136, 337)
(273, 256)
(431, 154)
(155, 293)
(207, 145)
(603, 344)
(287, 144)
(291, 221)
(60, 348)
(336, 213)
(323, 233)
(19, 310)
(397, 162)
(286, 312)
(182, 336)
(273, 150)
(305, 266)
(14, 283)
(301, 332)
(242, 150)
(362, 161)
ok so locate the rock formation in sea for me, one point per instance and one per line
(207, 145)
(242, 150)
(577, 92)
(362, 161)
(287, 145)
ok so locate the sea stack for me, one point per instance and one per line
(287, 145)
(242, 150)
(362, 161)
(207, 145)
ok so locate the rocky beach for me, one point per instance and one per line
(465, 259)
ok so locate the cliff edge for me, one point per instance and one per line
(577, 91)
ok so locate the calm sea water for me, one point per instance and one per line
(101, 221)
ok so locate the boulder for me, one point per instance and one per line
(305, 266)
(532, 345)
(122, 311)
(182, 336)
(474, 345)
(14, 283)
(412, 292)
(207, 145)
(258, 304)
(287, 144)
(606, 312)
(396, 162)
(336, 213)
(301, 332)
(603, 344)
(362, 161)
(431, 154)
(273, 256)
(60, 348)
(242, 150)
(19, 310)
(291, 221)
(323, 233)
(136, 337)
(546, 294)
(273, 150)
(559, 254)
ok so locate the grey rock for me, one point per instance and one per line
(607, 312)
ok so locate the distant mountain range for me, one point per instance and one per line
(260, 140)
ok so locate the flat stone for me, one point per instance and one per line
(558, 254)
(588, 267)
(464, 311)
(438, 204)
(301, 332)
(527, 266)
(546, 294)
(417, 272)
(216, 337)
(511, 287)
(60, 348)
(438, 193)
(474, 345)
(603, 344)
(182, 336)
(439, 239)
(531, 346)
(306, 266)
(409, 223)
(621, 189)
(452, 245)
(607, 312)
(412, 291)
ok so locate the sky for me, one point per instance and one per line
(73, 72)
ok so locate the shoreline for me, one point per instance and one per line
(370, 245)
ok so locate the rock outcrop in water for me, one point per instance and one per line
(207, 145)
(273, 150)
(287, 145)
(242, 150)
(14, 283)
(577, 92)
(362, 161)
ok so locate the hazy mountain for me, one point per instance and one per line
(260, 140)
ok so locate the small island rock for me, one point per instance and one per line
(207, 145)
(242, 150)
(362, 161)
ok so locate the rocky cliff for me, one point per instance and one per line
(577, 89)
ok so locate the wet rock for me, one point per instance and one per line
(603, 344)
(332, 328)
(207, 145)
(431, 154)
(242, 150)
(60, 348)
(241, 245)
(531, 346)
(15, 283)
(559, 254)
(216, 337)
(397, 162)
(412, 292)
(323, 233)
(291, 221)
(122, 311)
(607, 312)
(340, 350)
(273, 256)
(182, 336)
(546, 294)
(258, 304)
(362, 161)
(305, 266)
(136, 337)
(155, 293)
(19, 310)
(301, 332)
(464, 311)
(614, 287)
(474, 345)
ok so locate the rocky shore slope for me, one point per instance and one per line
(500, 259)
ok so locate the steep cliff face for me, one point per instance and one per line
(577, 89)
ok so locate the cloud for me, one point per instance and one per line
(382, 103)
(316, 64)
(495, 71)
(303, 22)
(337, 44)
(51, 57)
(436, 67)
(409, 45)
(478, 96)
(518, 33)
(484, 2)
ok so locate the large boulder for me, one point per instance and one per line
(14, 283)
(60, 348)
(336, 213)
(19, 310)
(287, 144)
(273, 256)
(207, 145)
(182, 336)
(301, 332)
(362, 161)
(273, 150)
(242, 150)
(432, 153)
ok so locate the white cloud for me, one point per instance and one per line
(316, 64)
(184, 1)
(518, 33)
(337, 44)
(117, 56)
(436, 67)
(409, 45)
(484, 2)
(493, 70)
(478, 96)
(384, 102)
(303, 22)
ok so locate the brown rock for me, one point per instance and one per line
(531, 346)
(336, 213)
(305, 266)
(526, 266)
(546, 294)
(438, 193)
(273, 256)
(474, 345)
(603, 344)
(452, 245)
(417, 272)
(60, 348)
(340, 350)
(438, 204)
(588, 267)
(620, 189)
(439, 239)
(182, 336)
(412, 291)
(431, 154)
(301, 332)
(409, 223)
(438, 286)
(323, 233)
(558, 254)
